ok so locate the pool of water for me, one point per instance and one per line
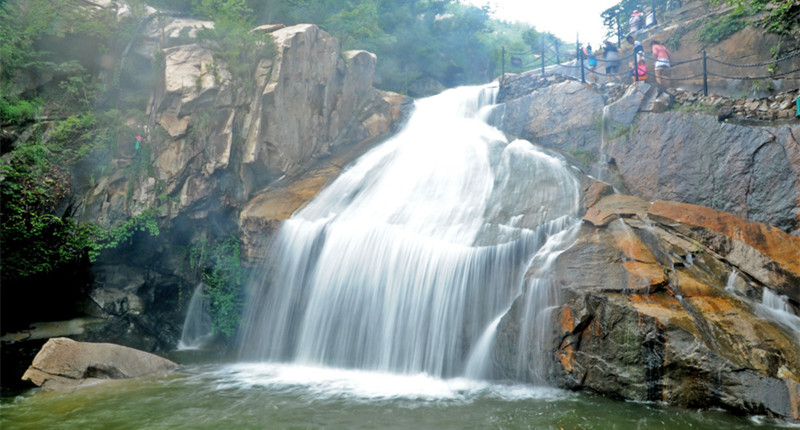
(272, 396)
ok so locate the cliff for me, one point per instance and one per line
(215, 136)
(664, 295)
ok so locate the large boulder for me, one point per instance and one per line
(662, 301)
(751, 172)
(565, 116)
(64, 364)
(310, 102)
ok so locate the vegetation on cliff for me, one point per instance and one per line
(446, 41)
(220, 268)
(775, 16)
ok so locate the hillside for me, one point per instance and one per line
(736, 45)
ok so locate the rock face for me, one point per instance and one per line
(664, 294)
(653, 309)
(564, 116)
(64, 364)
(752, 172)
(662, 302)
(212, 140)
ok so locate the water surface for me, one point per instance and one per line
(277, 396)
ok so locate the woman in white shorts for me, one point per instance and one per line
(663, 56)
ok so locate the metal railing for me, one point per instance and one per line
(707, 66)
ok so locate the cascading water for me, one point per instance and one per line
(775, 307)
(407, 262)
(197, 328)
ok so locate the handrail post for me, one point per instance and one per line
(580, 56)
(558, 58)
(543, 55)
(705, 75)
(503, 67)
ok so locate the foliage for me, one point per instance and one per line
(782, 17)
(26, 22)
(144, 222)
(221, 271)
(616, 18)
(38, 234)
(718, 29)
(674, 40)
(15, 111)
(34, 240)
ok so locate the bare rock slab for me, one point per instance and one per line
(64, 364)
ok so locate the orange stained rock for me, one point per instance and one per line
(664, 309)
(644, 276)
(279, 204)
(630, 244)
(566, 355)
(614, 206)
(689, 286)
(749, 338)
(595, 192)
(779, 246)
(711, 306)
(567, 319)
(664, 300)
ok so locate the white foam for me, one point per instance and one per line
(328, 383)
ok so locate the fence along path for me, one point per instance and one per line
(709, 66)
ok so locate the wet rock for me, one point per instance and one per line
(623, 111)
(648, 311)
(764, 252)
(564, 116)
(751, 172)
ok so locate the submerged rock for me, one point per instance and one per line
(64, 364)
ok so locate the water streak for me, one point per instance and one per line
(197, 327)
(775, 307)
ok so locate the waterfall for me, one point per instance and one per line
(776, 308)
(408, 260)
(197, 329)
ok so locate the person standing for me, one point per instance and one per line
(611, 58)
(592, 60)
(663, 57)
(635, 22)
(638, 49)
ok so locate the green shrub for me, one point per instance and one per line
(17, 112)
(718, 29)
(35, 240)
(221, 272)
